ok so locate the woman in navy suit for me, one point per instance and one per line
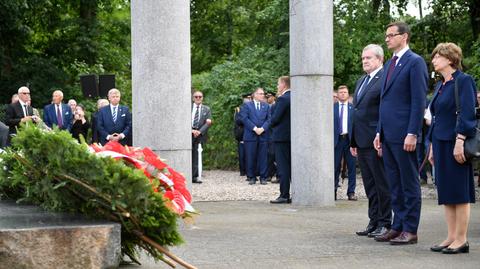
(453, 174)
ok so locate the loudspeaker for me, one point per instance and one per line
(89, 85)
(106, 83)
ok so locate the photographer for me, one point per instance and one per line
(80, 124)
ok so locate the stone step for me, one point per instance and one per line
(33, 238)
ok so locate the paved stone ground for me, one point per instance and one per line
(255, 234)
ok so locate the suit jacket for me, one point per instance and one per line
(280, 122)
(106, 126)
(50, 116)
(15, 115)
(336, 118)
(365, 111)
(251, 117)
(205, 114)
(445, 124)
(403, 99)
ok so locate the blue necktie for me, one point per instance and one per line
(364, 85)
(114, 114)
(340, 120)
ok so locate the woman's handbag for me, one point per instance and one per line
(471, 146)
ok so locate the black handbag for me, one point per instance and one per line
(471, 147)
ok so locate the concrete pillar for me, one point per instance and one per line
(161, 80)
(311, 70)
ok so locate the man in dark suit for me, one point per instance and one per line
(342, 126)
(238, 132)
(95, 136)
(201, 121)
(280, 124)
(402, 103)
(3, 135)
(255, 116)
(366, 102)
(58, 113)
(20, 111)
(114, 122)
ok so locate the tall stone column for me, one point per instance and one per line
(161, 80)
(311, 70)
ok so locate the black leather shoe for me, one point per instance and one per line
(281, 200)
(370, 228)
(379, 231)
(263, 181)
(197, 181)
(438, 248)
(465, 248)
(352, 197)
(252, 181)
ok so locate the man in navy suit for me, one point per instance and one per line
(58, 113)
(255, 116)
(402, 104)
(366, 102)
(280, 124)
(342, 126)
(114, 121)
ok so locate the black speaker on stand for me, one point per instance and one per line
(89, 85)
(105, 83)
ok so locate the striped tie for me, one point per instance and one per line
(114, 114)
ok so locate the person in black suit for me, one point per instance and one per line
(450, 128)
(280, 124)
(95, 136)
(342, 126)
(20, 111)
(238, 132)
(3, 135)
(201, 121)
(255, 116)
(366, 102)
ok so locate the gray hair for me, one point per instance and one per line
(377, 50)
(113, 91)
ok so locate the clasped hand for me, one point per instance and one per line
(259, 131)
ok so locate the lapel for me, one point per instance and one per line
(356, 98)
(335, 112)
(372, 81)
(435, 94)
(400, 65)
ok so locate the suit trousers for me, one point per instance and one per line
(342, 149)
(272, 168)
(401, 169)
(284, 167)
(3, 135)
(195, 143)
(256, 154)
(376, 187)
(241, 157)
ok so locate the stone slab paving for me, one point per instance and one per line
(256, 234)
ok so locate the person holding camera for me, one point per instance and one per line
(80, 125)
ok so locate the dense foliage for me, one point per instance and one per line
(53, 170)
(236, 46)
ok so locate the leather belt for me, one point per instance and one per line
(344, 136)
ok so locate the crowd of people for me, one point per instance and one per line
(111, 121)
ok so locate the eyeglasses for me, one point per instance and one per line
(393, 35)
(25, 93)
(198, 97)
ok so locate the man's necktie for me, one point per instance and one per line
(26, 110)
(393, 62)
(59, 117)
(364, 85)
(196, 118)
(340, 119)
(114, 114)
(258, 106)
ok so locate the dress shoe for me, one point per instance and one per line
(352, 197)
(438, 248)
(252, 181)
(379, 231)
(197, 181)
(405, 238)
(281, 200)
(335, 197)
(465, 248)
(263, 181)
(370, 228)
(387, 236)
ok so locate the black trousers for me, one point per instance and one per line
(272, 168)
(241, 158)
(284, 169)
(376, 187)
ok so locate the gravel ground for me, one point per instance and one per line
(219, 185)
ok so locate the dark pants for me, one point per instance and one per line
(376, 187)
(272, 168)
(241, 157)
(401, 169)
(195, 143)
(284, 170)
(256, 156)
(342, 149)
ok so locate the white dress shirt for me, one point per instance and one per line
(400, 54)
(345, 116)
(23, 107)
